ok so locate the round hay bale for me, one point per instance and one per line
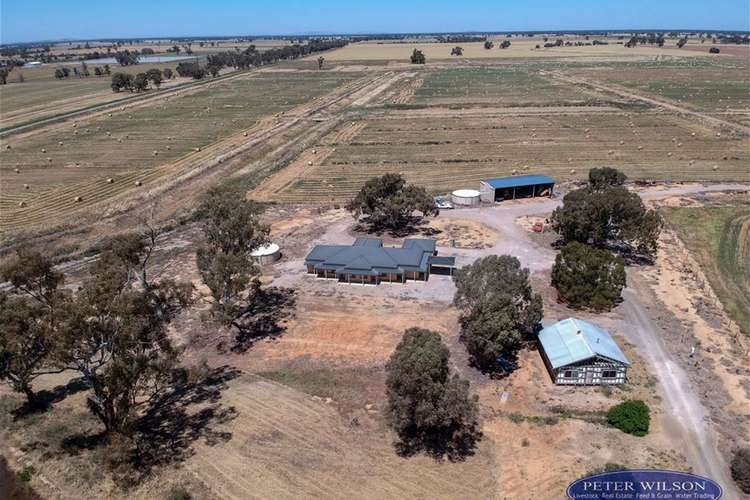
(691, 162)
(16, 171)
(138, 183)
(679, 144)
(119, 140)
(669, 154)
(674, 139)
(692, 134)
(718, 134)
(715, 168)
(21, 204)
(197, 149)
(156, 153)
(572, 171)
(49, 160)
(75, 125)
(314, 151)
(525, 167)
(244, 134)
(109, 134)
(611, 152)
(309, 164)
(109, 115)
(26, 186)
(110, 180)
(570, 160)
(7, 146)
(78, 199)
(514, 171)
(169, 148)
(640, 148)
(587, 131)
(622, 143)
(44, 150)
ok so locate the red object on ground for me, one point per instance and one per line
(538, 227)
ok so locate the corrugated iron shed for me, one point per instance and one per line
(573, 340)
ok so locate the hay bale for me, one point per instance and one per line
(7, 146)
(640, 148)
(679, 144)
(16, 171)
(715, 168)
(513, 172)
(156, 153)
(169, 148)
(197, 149)
(244, 134)
(49, 160)
(572, 171)
(138, 183)
(693, 134)
(110, 180)
(718, 134)
(622, 143)
(309, 164)
(314, 151)
(611, 152)
(21, 204)
(44, 150)
(26, 186)
(78, 199)
(669, 154)
(570, 160)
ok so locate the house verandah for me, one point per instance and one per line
(368, 262)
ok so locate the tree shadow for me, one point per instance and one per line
(411, 226)
(264, 318)
(46, 398)
(454, 443)
(167, 429)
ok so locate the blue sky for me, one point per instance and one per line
(30, 20)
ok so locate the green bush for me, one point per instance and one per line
(632, 417)
(26, 473)
(178, 493)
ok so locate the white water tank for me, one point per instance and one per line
(466, 198)
(266, 254)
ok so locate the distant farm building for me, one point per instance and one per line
(368, 262)
(579, 353)
(518, 186)
(466, 198)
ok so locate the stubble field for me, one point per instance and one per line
(459, 125)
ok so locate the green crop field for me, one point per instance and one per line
(719, 239)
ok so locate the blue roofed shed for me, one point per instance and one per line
(517, 186)
(577, 352)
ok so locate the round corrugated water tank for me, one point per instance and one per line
(266, 254)
(465, 197)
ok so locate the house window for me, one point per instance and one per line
(609, 374)
(570, 374)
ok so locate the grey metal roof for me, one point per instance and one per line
(572, 340)
(368, 256)
(519, 181)
(443, 261)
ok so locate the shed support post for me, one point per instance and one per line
(514, 193)
(533, 191)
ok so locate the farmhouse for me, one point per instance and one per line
(579, 353)
(519, 186)
(367, 261)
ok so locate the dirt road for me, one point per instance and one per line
(687, 419)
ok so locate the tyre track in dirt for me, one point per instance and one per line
(660, 103)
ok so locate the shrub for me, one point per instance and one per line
(740, 468)
(26, 473)
(632, 417)
(178, 493)
(587, 277)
